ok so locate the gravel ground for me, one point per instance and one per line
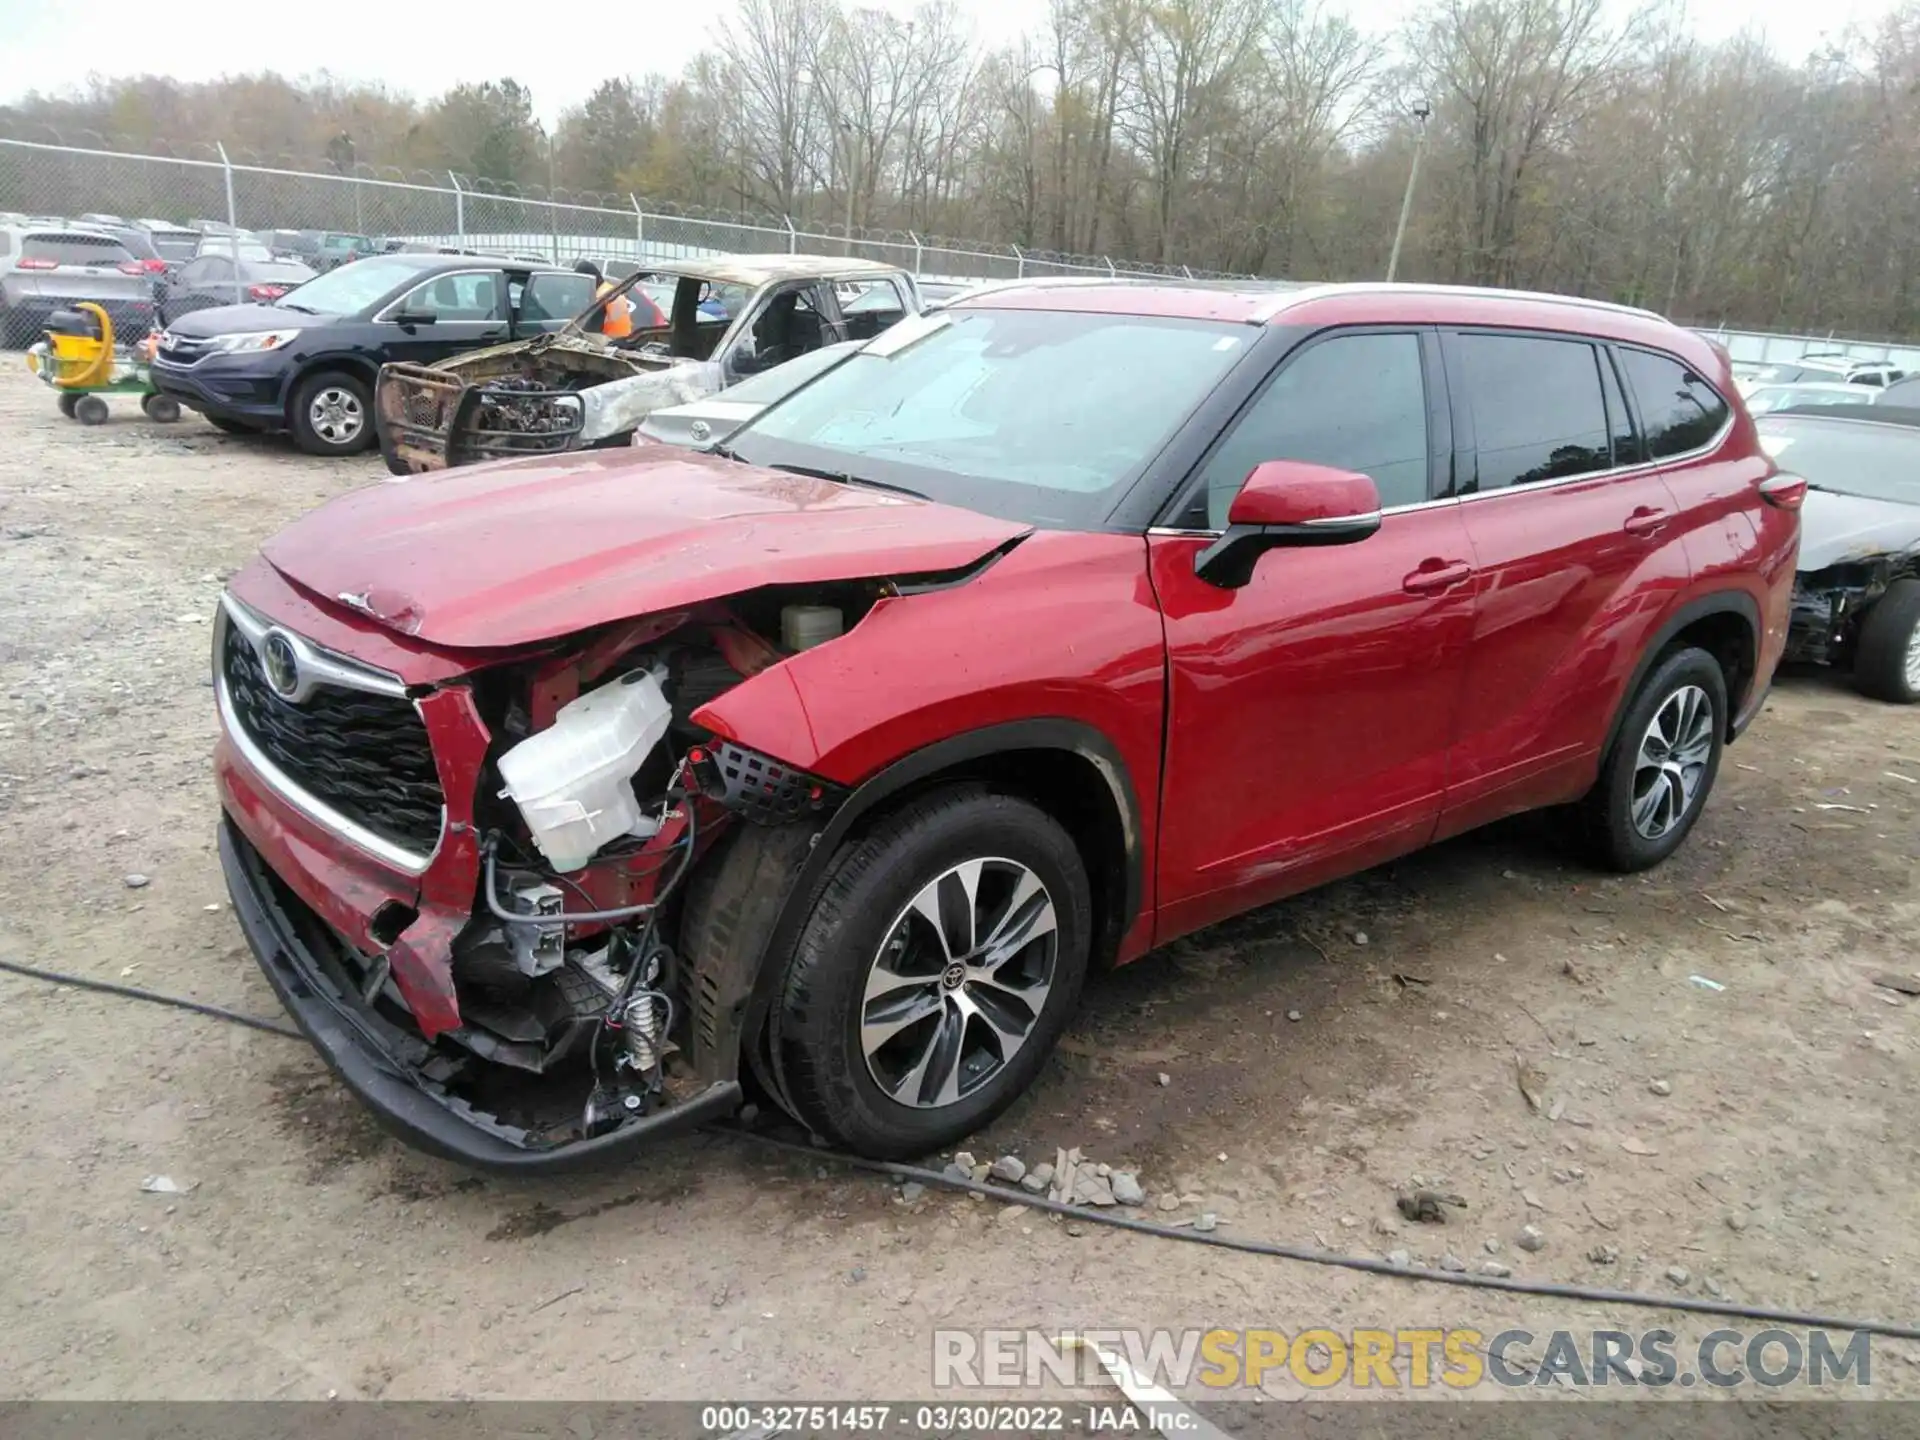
(1278, 1071)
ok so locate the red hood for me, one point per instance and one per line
(505, 555)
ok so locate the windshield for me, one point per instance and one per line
(352, 288)
(1848, 457)
(1779, 397)
(1038, 416)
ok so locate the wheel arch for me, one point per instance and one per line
(1067, 767)
(358, 366)
(1726, 624)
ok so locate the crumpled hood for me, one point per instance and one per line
(530, 550)
(1835, 528)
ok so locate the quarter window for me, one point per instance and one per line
(1355, 402)
(1537, 408)
(1678, 410)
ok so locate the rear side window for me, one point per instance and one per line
(1679, 411)
(1537, 408)
(1355, 402)
(75, 249)
(555, 297)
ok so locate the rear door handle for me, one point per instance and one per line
(1645, 520)
(1436, 575)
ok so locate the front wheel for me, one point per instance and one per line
(1886, 663)
(161, 409)
(90, 410)
(69, 399)
(332, 414)
(937, 970)
(1654, 781)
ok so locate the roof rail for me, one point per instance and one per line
(1384, 287)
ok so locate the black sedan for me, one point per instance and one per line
(306, 362)
(213, 280)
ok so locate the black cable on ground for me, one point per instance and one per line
(134, 992)
(1547, 1289)
(1591, 1294)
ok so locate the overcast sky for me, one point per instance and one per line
(429, 45)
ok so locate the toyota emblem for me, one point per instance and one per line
(282, 664)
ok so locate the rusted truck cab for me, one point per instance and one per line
(726, 317)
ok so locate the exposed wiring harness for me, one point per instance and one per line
(1587, 1294)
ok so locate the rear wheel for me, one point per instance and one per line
(90, 410)
(163, 409)
(1654, 781)
(68, 399)
(332, 414)
(936, 971)
(1886, 662)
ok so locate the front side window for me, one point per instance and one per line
(1355, 402)
(555, 297)
(1537, 408)
(1678, 410)
(1043, 417)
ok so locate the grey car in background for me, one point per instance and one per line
(711, 419)
(44, 268)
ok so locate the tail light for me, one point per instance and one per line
(35, 262)
(154, 267)
(263, 293)
(1784, 492)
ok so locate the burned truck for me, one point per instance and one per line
(716, 321)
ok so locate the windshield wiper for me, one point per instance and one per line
(845, 478)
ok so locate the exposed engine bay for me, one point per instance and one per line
(599, 796)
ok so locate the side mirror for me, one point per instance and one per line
(1288, 502)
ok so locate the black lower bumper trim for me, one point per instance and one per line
(347, 1035)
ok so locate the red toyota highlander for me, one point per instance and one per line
(562, 795)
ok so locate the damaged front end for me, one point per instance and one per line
(503, 988)
(1830, 603)
(542, 396)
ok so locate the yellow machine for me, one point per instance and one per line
(78, 360)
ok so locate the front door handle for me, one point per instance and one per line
(1645, 520)
(1434, 575)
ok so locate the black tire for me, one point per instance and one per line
(230, 427)
(90, 410)
(161, 409)
(68, 399)
(815, 1024)
(301, 420)
(1888, 636)
(1607, 814)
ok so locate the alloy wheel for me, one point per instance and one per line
(959, 983)
(336, 416)
(1913, 660)
(1673, 757)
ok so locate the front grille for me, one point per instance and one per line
(364, 755)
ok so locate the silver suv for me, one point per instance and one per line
(44, 268)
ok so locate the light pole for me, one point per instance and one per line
(853, 176)
(1422, 112)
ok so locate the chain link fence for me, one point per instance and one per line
(55, 180)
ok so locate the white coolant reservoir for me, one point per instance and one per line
(804, 626)
(572, 780)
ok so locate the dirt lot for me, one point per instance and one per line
(1758, 1135)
